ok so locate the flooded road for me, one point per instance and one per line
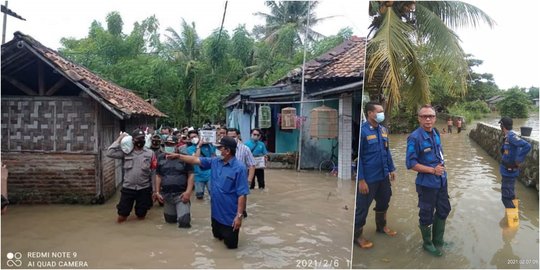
(475, 225)
(299, 217)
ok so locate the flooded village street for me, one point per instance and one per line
(476, 226)
(298, 217)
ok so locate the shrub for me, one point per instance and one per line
(515, 104)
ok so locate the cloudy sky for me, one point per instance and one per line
(510, 50)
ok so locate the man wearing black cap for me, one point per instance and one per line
(229, 189)
(137, 182)
(513, 152)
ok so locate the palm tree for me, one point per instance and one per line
(185, 49)
(403, 34)
(286, 24)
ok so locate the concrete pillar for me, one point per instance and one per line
(345, 138)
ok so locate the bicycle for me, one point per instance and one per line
(330, 165)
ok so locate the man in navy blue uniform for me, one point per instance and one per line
(375, 171)
(425, 156)
(229, 189)
(513, 151)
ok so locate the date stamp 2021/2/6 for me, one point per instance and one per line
(322, 263)
(522, 261)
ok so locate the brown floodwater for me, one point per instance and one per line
(476, 226)
(299, 219)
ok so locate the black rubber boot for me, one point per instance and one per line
(428, 244)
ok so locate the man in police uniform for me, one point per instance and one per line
(137, 183)
(513, 151)
(425, 156)
(375, 171)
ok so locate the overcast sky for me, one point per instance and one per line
(510, 50)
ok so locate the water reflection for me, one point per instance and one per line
(472, 226)
(299, 217)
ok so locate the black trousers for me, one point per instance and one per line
(259, 174)
(225, 233)
(142, 199)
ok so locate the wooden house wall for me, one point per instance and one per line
(50, 146)
(111, 168)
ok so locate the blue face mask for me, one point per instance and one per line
(169, 149)
(380, 117)
(164, 137)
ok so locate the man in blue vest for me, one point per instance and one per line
(425, 156)
(375, 171)
(513, 151)
(229, 189)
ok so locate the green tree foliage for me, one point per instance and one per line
(400, 28)
(190, 77)
(515, 104)
(533, 92)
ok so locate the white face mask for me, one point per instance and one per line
(195, 140)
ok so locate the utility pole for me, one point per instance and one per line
(4, 25)
(302, 90)
(9, 12)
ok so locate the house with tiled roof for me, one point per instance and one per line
(58, 118)
(334, 79)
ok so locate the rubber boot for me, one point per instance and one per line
(361, 241)
(516, 203)
(512, 217)
(428, 244)
(438, 231)
(380, 221)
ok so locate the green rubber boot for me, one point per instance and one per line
(428, 244)
(438, 232)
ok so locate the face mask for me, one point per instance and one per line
(168, 149)
(164, 137)
(139, 144)
(380, 117)
(255, 138)
(195, 140)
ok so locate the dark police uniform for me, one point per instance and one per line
(174, 181)
(425, 148)
(374, 166)
(513, 151)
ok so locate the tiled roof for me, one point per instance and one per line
(344, 61)
(116, 96)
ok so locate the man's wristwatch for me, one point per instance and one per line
(240, 215)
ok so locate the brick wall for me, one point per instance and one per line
(489, 137)
(48, 124)
(50, 177)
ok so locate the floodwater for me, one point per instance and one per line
(532, 121)
(475, 226)
(299, 219)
